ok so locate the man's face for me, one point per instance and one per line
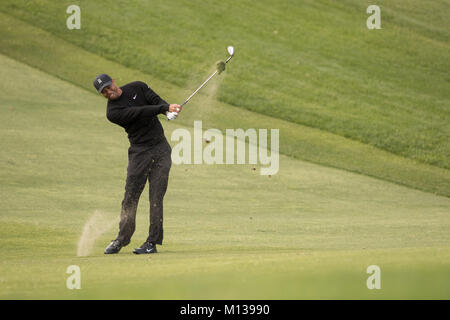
(111, 92)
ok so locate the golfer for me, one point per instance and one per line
(135, 107)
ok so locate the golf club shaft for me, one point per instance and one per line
(199, 88)
(204, 83)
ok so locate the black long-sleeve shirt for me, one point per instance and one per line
(136, 111)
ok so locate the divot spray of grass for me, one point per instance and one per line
(98, 223)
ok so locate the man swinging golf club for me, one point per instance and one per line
(135, 107)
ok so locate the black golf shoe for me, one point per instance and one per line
(147, 247)
(113, 247)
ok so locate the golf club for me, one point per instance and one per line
(219, 68)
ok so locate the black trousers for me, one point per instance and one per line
(152, 164)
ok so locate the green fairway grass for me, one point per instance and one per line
(310, 231)
(364, 176)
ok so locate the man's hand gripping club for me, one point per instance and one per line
(174, 109)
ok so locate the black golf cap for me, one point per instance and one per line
(101, 81)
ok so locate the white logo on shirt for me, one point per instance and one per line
(134, 98)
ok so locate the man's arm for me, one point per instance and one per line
(123, 115)
(151, 96)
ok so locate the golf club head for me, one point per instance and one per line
(230, 50)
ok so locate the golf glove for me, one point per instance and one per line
(171, 115)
